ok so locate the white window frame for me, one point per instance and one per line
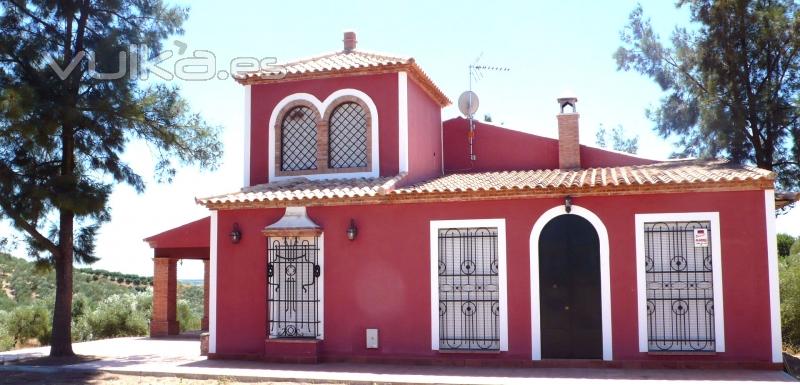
(321, 107)
(500, 225)
(716, 263)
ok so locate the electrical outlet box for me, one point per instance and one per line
(372, 338)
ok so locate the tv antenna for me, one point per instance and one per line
(468, 101)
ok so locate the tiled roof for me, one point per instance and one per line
(335, 61)
(343, 63)
(675, 176)
(666, 173)
(297, 189)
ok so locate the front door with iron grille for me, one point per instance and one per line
(469, 304)
(679, 286)
(293, 298)
(569, 287)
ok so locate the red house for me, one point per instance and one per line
(366, 232)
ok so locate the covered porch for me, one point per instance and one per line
(189, 241)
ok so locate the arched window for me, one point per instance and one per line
(347, 137)
(299, 140)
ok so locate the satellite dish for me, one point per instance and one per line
(468, 103)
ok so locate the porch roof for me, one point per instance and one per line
(188, 241)
(665, 177)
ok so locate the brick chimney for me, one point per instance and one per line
(569, 150)
(349, 41)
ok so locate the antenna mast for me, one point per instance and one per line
(468, 101)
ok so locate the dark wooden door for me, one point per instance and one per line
(569, 287)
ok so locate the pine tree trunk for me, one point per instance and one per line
(61, 338)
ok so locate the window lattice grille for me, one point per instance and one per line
(469, 304)
(299, 140)
(347, 146)
(679, 286)
(293, 299)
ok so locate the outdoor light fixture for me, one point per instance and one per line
(568, 203)
(236, 234)
(352, 231)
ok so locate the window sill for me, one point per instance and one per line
(681, 353)
(479, 352)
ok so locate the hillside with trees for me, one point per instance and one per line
(107, 304)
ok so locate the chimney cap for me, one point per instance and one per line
(568, 98)
(349, 41)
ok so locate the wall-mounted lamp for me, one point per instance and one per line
(568, 203)
(352, 231)
(236, 234)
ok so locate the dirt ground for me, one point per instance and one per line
(71, 378)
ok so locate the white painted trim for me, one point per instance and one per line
(502, 274)
(294, 217)
(605, 277)
(402, 112)
(321, 106)
(774, 282)
(716, 262)
(246, 148)
(212, 296)
(321, 287)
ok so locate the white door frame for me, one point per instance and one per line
(605, 277)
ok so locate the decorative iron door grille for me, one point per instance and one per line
(347, 143)
(292, 298)
(299, 140)
(679, 285)
(469, 304)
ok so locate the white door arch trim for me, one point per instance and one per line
(605, 276)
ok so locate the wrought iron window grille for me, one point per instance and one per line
(347, 136)
(293, 271)
(679, 286)
(469, 305)
(299, 140)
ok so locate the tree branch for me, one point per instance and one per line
(29, 228)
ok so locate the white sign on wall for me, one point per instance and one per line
(700, 237)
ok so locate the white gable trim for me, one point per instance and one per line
(402, 112)
(321, 106)
(246, 149)
(774, 287)
(716, 263)
(502, 276)
(605, 277)
(212, 296)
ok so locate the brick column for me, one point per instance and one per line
(206, 277)
(165, 293)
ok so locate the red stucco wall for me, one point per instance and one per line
(424, 135)
(382, 89)
(381, 280)
(501, 149)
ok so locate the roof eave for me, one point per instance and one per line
(411, 67)
(498, 194)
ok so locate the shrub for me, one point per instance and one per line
(795, 247)
(790, 299)
(26, 322)
(118, 316)
(188, 320)
(785, 242)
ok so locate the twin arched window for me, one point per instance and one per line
(337, 142)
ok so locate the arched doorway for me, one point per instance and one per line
(569, 286)
(602, 263)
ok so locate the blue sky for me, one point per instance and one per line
(550, 46)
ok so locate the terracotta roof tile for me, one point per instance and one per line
(305, 189)
(685, 174)
(676, 172)
(343, 63)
